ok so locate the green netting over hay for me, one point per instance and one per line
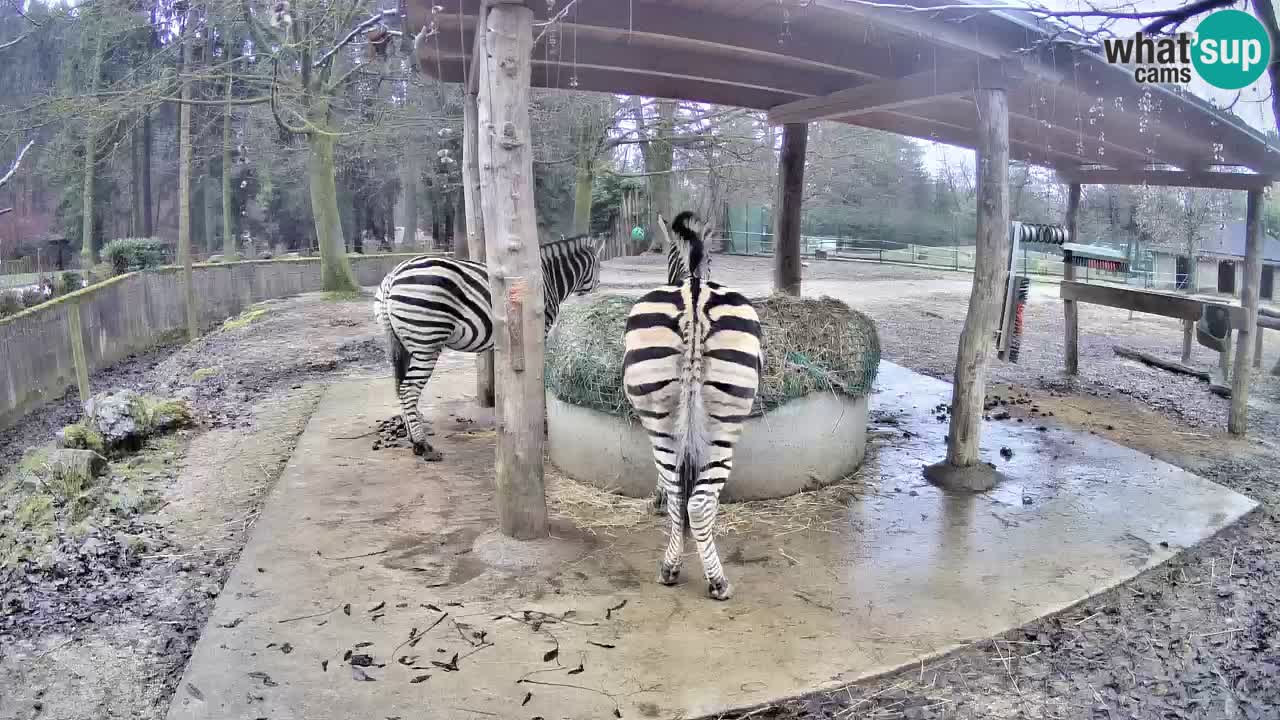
(810, 345)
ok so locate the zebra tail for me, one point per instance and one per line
(399, 357)
(688, 473)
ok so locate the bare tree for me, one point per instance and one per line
(14, 171)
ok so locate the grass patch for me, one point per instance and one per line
(342, 295)
(38, 505)
(203, 374)
(78, 435)
(244, 319)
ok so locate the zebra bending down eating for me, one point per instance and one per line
(691, 370)
(427, 304)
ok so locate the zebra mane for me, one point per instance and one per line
(575, 242)
(688, 229)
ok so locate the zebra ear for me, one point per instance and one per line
(666, 234)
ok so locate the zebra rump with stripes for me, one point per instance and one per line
(691, 371)
(427, 304)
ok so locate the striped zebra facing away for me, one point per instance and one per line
(691, 371)
(427, 304)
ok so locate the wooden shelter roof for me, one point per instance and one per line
(907, 71)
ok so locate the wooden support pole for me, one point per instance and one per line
(1238, 421)
(1257, 349)
(990, 269)
(515, 268)
(1188, 329)
(790, 197)
(75, 332)
(1071, 340)
(475, 228)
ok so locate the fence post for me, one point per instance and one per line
(76, 336)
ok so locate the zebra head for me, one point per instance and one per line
(571, 266)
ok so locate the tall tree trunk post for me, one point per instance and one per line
(475, 227)
(335, 266)
(184, 187)
(515, 280)
(790, 198)
(1071, 340)
(963, 467)
(228, 229)
(1238, 421)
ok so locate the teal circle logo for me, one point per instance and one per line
(1231, 49)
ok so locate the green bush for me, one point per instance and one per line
(10, 303)
(132, 254)
(71, 282)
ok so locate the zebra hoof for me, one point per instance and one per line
(721, 590)
(426, 452)
(668, 575)
(658, 504)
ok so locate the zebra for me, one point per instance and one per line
(427, 304)
(691, 370)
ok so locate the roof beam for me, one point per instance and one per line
(1168, 178)
(683, 62)
(894, 93)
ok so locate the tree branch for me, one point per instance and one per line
(1267, 14)
(275, 108)
(376, 19)
(13, 170)
(10, 43)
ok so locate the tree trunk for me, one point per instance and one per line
(409, 188)
(584, 178)
(658, 157)
(209, 195)
(475, 231)
(358, 221)
(148, 216)
(989, 277)
(184, 188)
(515, 280)
(460, 249)
(335, 267)
(136, 222)
(89, 247)
(228, 229)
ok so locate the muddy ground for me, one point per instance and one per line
(106, 631)
(1196, 638)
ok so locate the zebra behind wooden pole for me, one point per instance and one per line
(427, 304)
(691, 370)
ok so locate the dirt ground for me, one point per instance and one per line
(107, 634)
(1197, 638)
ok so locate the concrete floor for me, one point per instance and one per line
(910, 572)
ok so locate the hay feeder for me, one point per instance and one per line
(808, 426)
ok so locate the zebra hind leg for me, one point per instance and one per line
(669, 569)
(703, 508)
(411, 377)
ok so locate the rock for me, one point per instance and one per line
(123, 420)
(264, 255)
(215, 258)
(82, 465)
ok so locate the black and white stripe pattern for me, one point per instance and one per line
(429, 303)
(691, 370)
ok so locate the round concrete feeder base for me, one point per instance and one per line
(803, 445)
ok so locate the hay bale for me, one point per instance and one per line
(810, 345)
